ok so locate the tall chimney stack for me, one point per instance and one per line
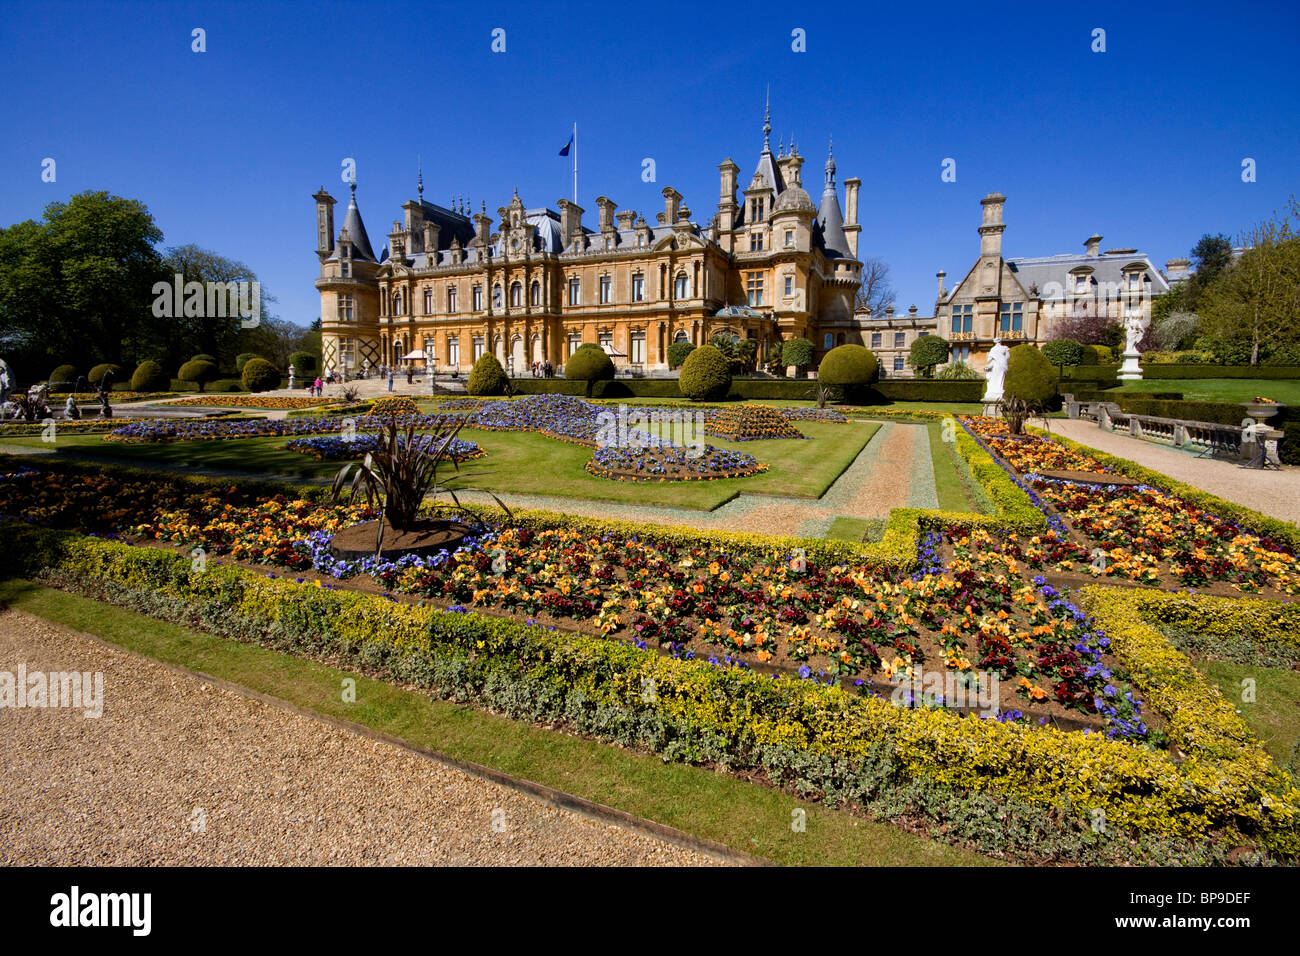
(992, 226)
(1092, 245)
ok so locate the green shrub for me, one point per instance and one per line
(775, 360)
(797, 352)
(63, 378)
(589, 365)
(927, 352)
(958, 371)
(487, 377)
(706, 375)
(1065, 352)
(259, 375)
(677, 353)
(1105, 355)
(303, 362)
(198, 372)
(1030, 376)
(847, 366)
(243, 358)
(96, 374)
(204, 357)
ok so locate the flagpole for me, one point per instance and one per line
(575, 163)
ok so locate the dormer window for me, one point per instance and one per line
(1135, 281)
(756, 210)
(1081, 284)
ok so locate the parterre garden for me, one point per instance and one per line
(1028, 655)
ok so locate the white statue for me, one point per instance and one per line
(1133, 329)
(291, 374)
(995, 371)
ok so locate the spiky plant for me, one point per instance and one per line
(402, 473)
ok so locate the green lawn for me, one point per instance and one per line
(523, 463)
(702, 802)
(1220, 389)
(953, 484)
(1274, 715)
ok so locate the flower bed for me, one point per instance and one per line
(1049, 787)
(672, 464)
(335, 448)
(751, 423)
(1136, 533)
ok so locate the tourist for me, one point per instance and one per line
(317, 388)
(390, 379)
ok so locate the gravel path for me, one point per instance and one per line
(177, 772)
(1274, 493)
(893, 470)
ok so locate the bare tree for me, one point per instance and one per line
(876, 292)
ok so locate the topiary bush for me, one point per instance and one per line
(677, 353)
(205, 357)
(63, 375)
(149, 377)
(589, 365)
(1030, 376)
(1064, 352)
(487, 377)
(927, 352)
(198, 372)
(96, 374)
(303, 362)
(243, 359)
(799, 353)
(1105, 355)
(259, 375)
(706, 375)
(847, 366)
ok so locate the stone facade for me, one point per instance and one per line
(769, 265)
(1021, 300)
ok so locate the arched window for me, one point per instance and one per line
(681, 336)
(516, 295)
(397, 303)
(829, 341)
(682, 286)
(839, 339)
(535, 294)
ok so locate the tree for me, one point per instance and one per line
(927, 352)
(1255, 302)
(1173, 330)
(215, 334)
(876, 292)
(1063, 352)
(1088, 325)
(82, 275)
(1211, 257)
(677, 353)
(799, 353)
(775, 359)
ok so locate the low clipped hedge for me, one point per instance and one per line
(758, 389)
(827, 742)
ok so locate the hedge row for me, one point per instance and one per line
(1158, 370)
(751, 389)
(1046, 784)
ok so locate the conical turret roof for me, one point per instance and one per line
(357, 230)
(830, 218)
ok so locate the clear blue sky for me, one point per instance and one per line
(1142, 143)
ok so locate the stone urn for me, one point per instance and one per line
(1263, 411)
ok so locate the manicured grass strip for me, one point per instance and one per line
(1274, 714)
(949, 486)
(702, 802)
(848, 529)
(1215, 389)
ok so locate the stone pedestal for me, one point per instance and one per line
(991, 410)
(1131, 369)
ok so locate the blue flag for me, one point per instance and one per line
(565, 151)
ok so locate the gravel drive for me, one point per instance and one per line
(178, 772)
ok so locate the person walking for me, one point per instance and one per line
(390, 379)
(317, 387)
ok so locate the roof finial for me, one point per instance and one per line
(830, 163)
(780, 146)
(419, 177)
(353, 186)
(767, 121)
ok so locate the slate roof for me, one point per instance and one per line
(1109, 268)
(356, 232)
